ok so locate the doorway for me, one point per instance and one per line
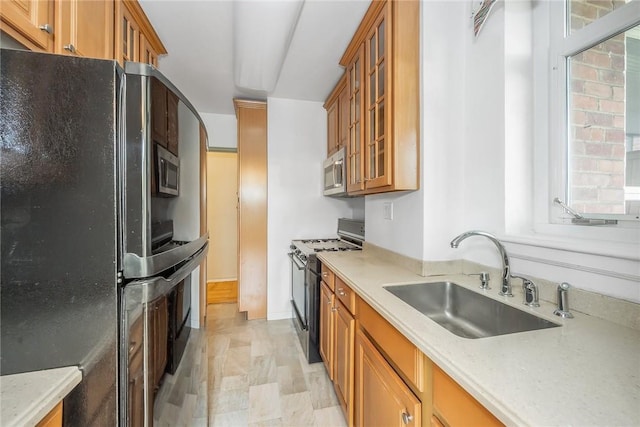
(222, 263)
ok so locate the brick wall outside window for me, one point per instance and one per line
(597, 117)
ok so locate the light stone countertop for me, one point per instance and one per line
(25, 399)
(586, 372)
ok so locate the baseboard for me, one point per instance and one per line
(280, 315)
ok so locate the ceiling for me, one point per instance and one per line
(199, 38)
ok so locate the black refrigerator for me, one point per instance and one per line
(78, 214)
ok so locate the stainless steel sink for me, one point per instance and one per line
(466, 313)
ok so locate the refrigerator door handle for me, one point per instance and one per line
(146, 290)
(138, 267)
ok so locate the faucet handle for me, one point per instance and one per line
(531, 295)
(484, 279)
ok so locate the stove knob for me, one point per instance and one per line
(292, 247)
(303, 258)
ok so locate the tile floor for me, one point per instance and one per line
(182, 398)
(258, 376)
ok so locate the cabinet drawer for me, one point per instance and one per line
(406, 356)
(328, 277)
(346, 295)
(455, 407)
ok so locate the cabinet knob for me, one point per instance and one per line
(71, 48)
(46, 28)
(406, 418)
(325, 274)
(341, 292)
(334, 309)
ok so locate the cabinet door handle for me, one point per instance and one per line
(71, 48)
(46, 28)
(341, 292)
(406, 418)
(132, 346)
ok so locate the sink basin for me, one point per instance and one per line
(466, 313)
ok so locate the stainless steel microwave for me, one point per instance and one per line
(168, 172)
(335, 177)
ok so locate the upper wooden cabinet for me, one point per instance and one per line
(105, 29)
(135, 38)
(147, 54)
(355, 140)
(383, 66)
(28, 21)
(84, 28)
(337, 115)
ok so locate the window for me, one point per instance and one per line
(595, 122)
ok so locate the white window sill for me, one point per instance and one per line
(620, 250)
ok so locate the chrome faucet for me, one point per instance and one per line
(505, 289)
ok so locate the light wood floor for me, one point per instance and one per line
(218, 292)
(258, 376)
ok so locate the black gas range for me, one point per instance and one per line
(305, 280)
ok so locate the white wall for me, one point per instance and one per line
(222, 130)
(297, 135)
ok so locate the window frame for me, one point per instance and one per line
(563, 45)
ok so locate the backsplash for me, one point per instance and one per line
(618, 311)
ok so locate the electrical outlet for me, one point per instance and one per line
(388, 210)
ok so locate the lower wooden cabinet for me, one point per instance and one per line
(135, 388)
(380, 377)
(453, 406)
(159, 339)
(381, 397)
(53, 418)
(343, 370)
(327, 328)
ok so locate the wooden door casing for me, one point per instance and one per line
(252, 207)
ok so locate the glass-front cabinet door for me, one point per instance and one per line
(355, 171)
(377, 150)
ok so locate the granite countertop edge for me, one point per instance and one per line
(26, 398)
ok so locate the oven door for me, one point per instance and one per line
(298, 290)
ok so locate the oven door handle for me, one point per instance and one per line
(296, 261)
